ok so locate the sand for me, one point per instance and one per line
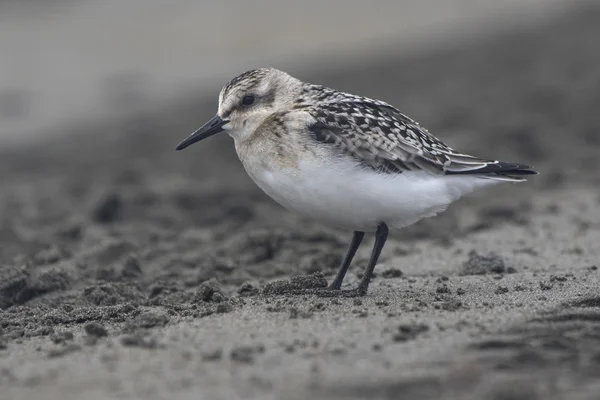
(129, 270)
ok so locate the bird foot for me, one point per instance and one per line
(299, 286)
(332, 292)
(328, 292)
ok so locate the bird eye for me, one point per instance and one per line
(248, 100)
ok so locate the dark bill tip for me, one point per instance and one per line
(215, 125)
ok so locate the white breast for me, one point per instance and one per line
(339, 192)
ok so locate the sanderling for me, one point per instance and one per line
(349, 161)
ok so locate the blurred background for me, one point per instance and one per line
(95, 95)
(65, 61)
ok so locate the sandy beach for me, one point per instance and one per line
(131, 271)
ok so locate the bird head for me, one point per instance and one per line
(246, 101)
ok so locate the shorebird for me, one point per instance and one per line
(349, 161)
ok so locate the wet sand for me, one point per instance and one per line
(129, 270)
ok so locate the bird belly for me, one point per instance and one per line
(344, 194)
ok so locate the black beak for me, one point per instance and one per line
(215, 125)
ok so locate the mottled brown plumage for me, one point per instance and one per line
(371, 131)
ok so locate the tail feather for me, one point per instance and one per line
(498, 170)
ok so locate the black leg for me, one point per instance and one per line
(357, 238)
(380, 238)
(334, 289)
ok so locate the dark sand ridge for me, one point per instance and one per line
(112, 232)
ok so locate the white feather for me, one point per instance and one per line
(341, 193)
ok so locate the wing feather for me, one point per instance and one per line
(380, 136)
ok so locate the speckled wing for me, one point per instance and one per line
(380, 136)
